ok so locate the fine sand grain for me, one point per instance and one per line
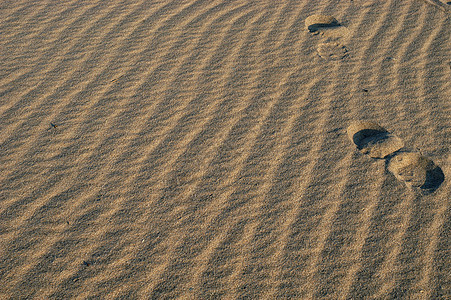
(194, 149)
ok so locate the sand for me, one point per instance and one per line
(199, 150)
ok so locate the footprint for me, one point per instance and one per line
(317, 23)
(374, 140)
(332, 50)
(332, 47)
(416, 170)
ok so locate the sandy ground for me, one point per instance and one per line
(199, 150)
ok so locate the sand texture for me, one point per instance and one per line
(194, 149)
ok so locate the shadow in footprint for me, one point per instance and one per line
(374, 140)
(434, 178)
(317, 22)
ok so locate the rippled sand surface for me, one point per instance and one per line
(199, 150)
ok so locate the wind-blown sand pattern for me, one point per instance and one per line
(198, 149)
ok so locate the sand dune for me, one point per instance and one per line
(199, 149)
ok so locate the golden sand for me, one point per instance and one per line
(192, 149)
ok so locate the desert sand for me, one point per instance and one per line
(194, 149)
